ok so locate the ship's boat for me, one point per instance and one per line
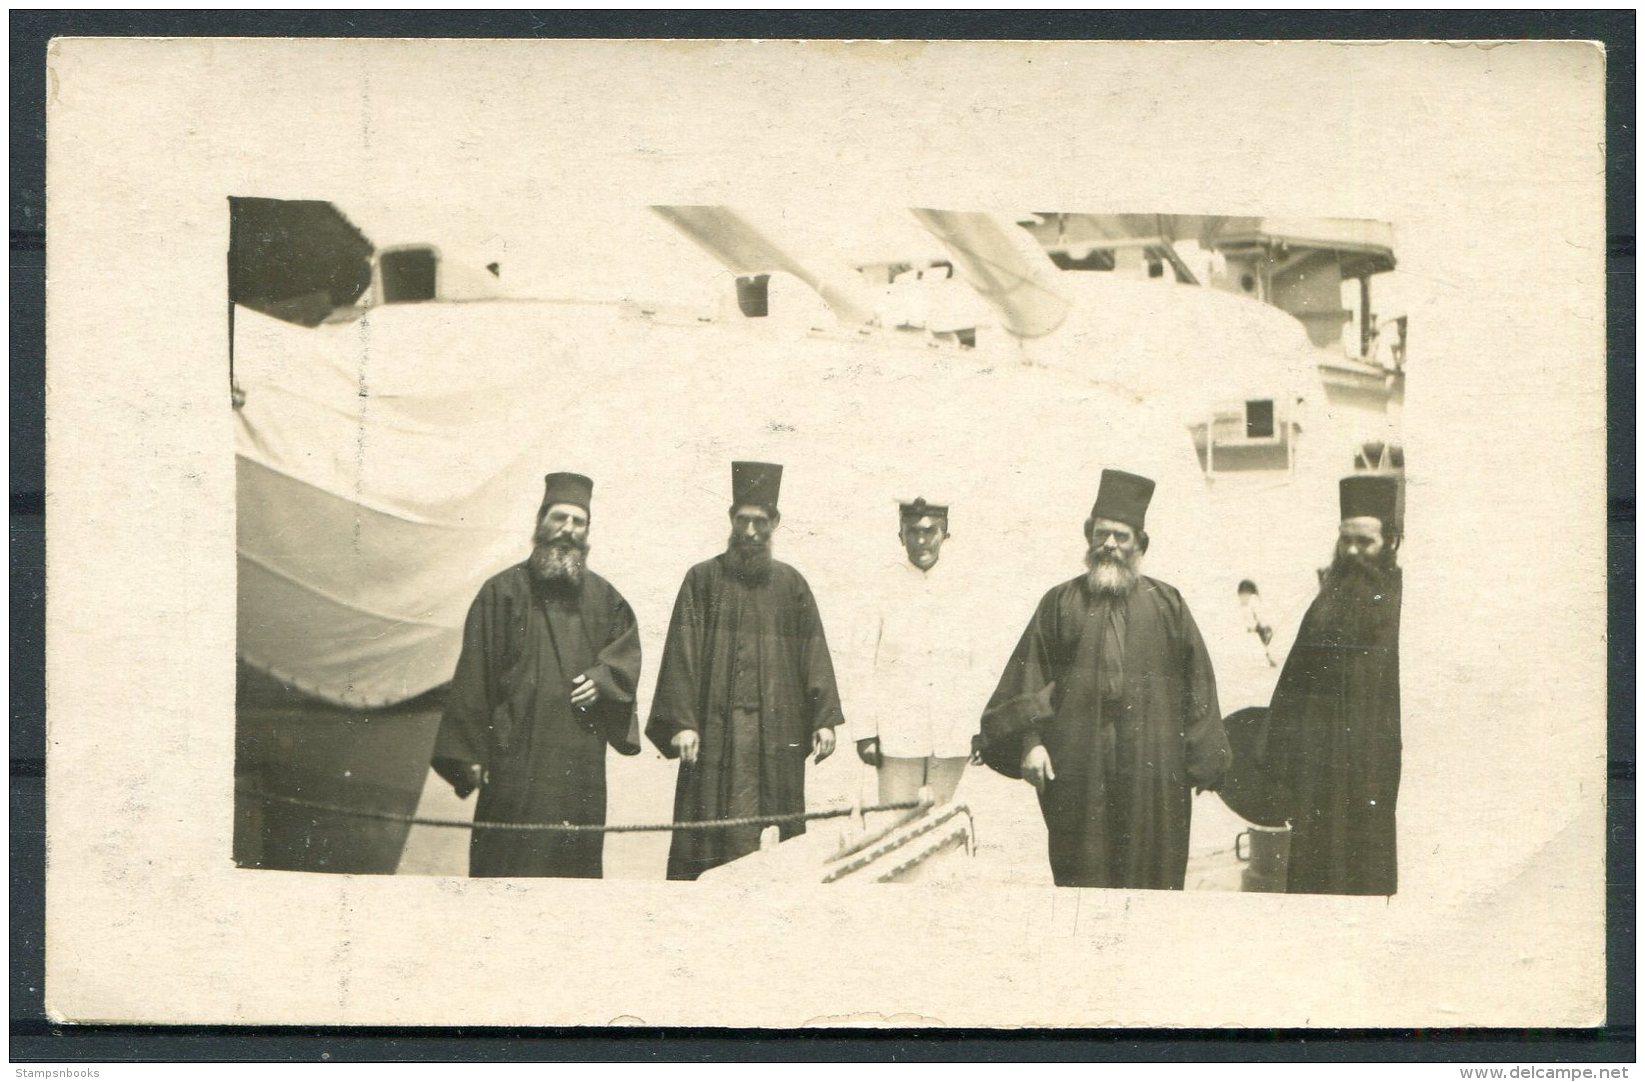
(926, 844)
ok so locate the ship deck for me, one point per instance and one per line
(1009, 832)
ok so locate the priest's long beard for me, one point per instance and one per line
(1111, 576)
(750, 560)
(1349, 590)
(560, 559)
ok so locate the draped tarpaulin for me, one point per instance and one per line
(388, 466)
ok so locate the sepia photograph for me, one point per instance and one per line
(837, 534)
(434, 666)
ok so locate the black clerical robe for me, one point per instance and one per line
(1121, 694)
(1334, 740)
(747, 667)
(510, 711)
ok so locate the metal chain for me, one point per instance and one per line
(575, 828)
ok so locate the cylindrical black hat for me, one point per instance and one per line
(1123, 497)
(756, 484)
(572, 488)
(1370, 495)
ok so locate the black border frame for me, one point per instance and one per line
(35, 1039)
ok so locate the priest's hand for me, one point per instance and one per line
(976, 750)
(869, 750)
(463, 777)
(1036, 768)
(822, 744)
(472, 778)
(583, 691)
(685, 742)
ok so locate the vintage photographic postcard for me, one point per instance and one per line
(779, 534)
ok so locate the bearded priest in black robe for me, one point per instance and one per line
(746, 691)
(1108, 707)
(1333, 724)
(545, 682)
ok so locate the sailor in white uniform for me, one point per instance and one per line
(923, 690)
